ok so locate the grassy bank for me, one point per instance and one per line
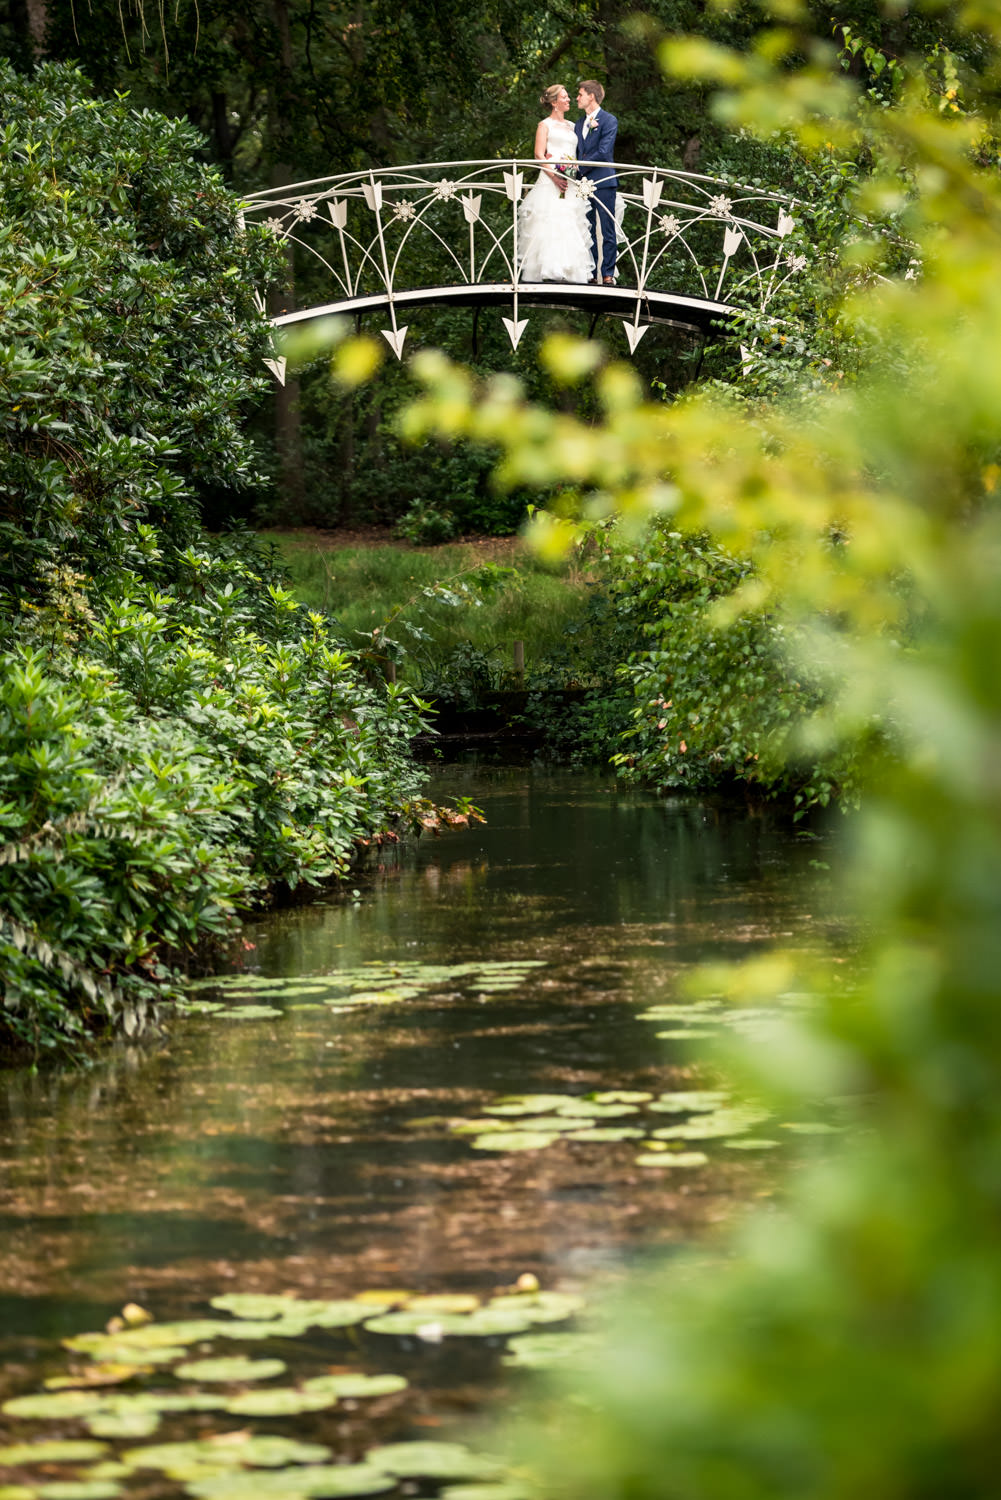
(449, 613)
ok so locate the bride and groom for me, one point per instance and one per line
(572, 206)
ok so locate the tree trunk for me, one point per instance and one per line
(288, 412)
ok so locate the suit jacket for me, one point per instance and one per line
(598, 145)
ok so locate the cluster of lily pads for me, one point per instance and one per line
(531, 1122)
(228, 1464)
(241, 1466)
(378, 982)
(704, 1018)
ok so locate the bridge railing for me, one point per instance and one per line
(379, 233)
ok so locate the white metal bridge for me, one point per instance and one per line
(693, 250)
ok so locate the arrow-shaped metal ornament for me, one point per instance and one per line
(634, 332)
(513, 184)
(515, 328)
(652, 190)
(394, 338)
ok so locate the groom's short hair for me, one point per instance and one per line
(592, 86)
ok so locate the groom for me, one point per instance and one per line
(596, 144)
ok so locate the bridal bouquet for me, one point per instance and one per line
(567, 168)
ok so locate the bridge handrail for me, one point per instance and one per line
(690, 229)
(357, 176)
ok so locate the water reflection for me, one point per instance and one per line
(280, 1155)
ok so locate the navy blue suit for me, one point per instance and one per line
(593, 148)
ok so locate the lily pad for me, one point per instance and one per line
(255, 1306)
(544, 1350)
(55, 1405)
(279, 1403)
(249, 1012)
(689, 1034)
(482, 1123)
(123, 1424)
(322, 1481)
(235, 1369)
(275, 1328)
(723, 1122)
(607, 1133)
(592, 1110)
(79, 1489)
(427, 1460)
(537, 1307)
(58, 1451)
(345, 1314)
(622, 1096)
(509, 1490)
(673, 1159)
(752, 1143)
(685, 1101)
(352, 1385)
(444, 1302)
(528, 1104)
(514, 1140)
(229, 1450)
(107, 1350)
(284, 1317)
(138, 1414)
(486, 1322)
(376, 997)
(94, 1377)
(147, 1337)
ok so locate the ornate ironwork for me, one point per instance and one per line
(692, 249)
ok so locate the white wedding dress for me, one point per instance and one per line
(554, 241)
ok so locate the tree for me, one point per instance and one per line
(132, 342)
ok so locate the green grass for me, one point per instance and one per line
(512, 595)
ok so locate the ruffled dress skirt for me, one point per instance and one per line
(554, 241)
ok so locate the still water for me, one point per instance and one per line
(319, 1152)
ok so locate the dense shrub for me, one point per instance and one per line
(132, 345)
(186, 759)
(719, 698)
(177, 739)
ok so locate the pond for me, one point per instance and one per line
(434, 1117)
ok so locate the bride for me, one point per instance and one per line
(554, 242)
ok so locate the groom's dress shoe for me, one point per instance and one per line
(609, 281)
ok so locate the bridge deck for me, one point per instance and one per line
(693, 314)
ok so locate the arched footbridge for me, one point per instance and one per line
(692, 250)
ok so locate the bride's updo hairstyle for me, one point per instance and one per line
(549, 96)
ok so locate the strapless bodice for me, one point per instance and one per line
(562, 141)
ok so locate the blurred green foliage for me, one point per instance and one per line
(849, 1342)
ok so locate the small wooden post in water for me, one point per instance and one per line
(519, 661)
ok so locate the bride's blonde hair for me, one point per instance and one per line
(549, 96)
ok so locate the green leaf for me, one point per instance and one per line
(56, 1450)
(235, 1369)
(427, 1460)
